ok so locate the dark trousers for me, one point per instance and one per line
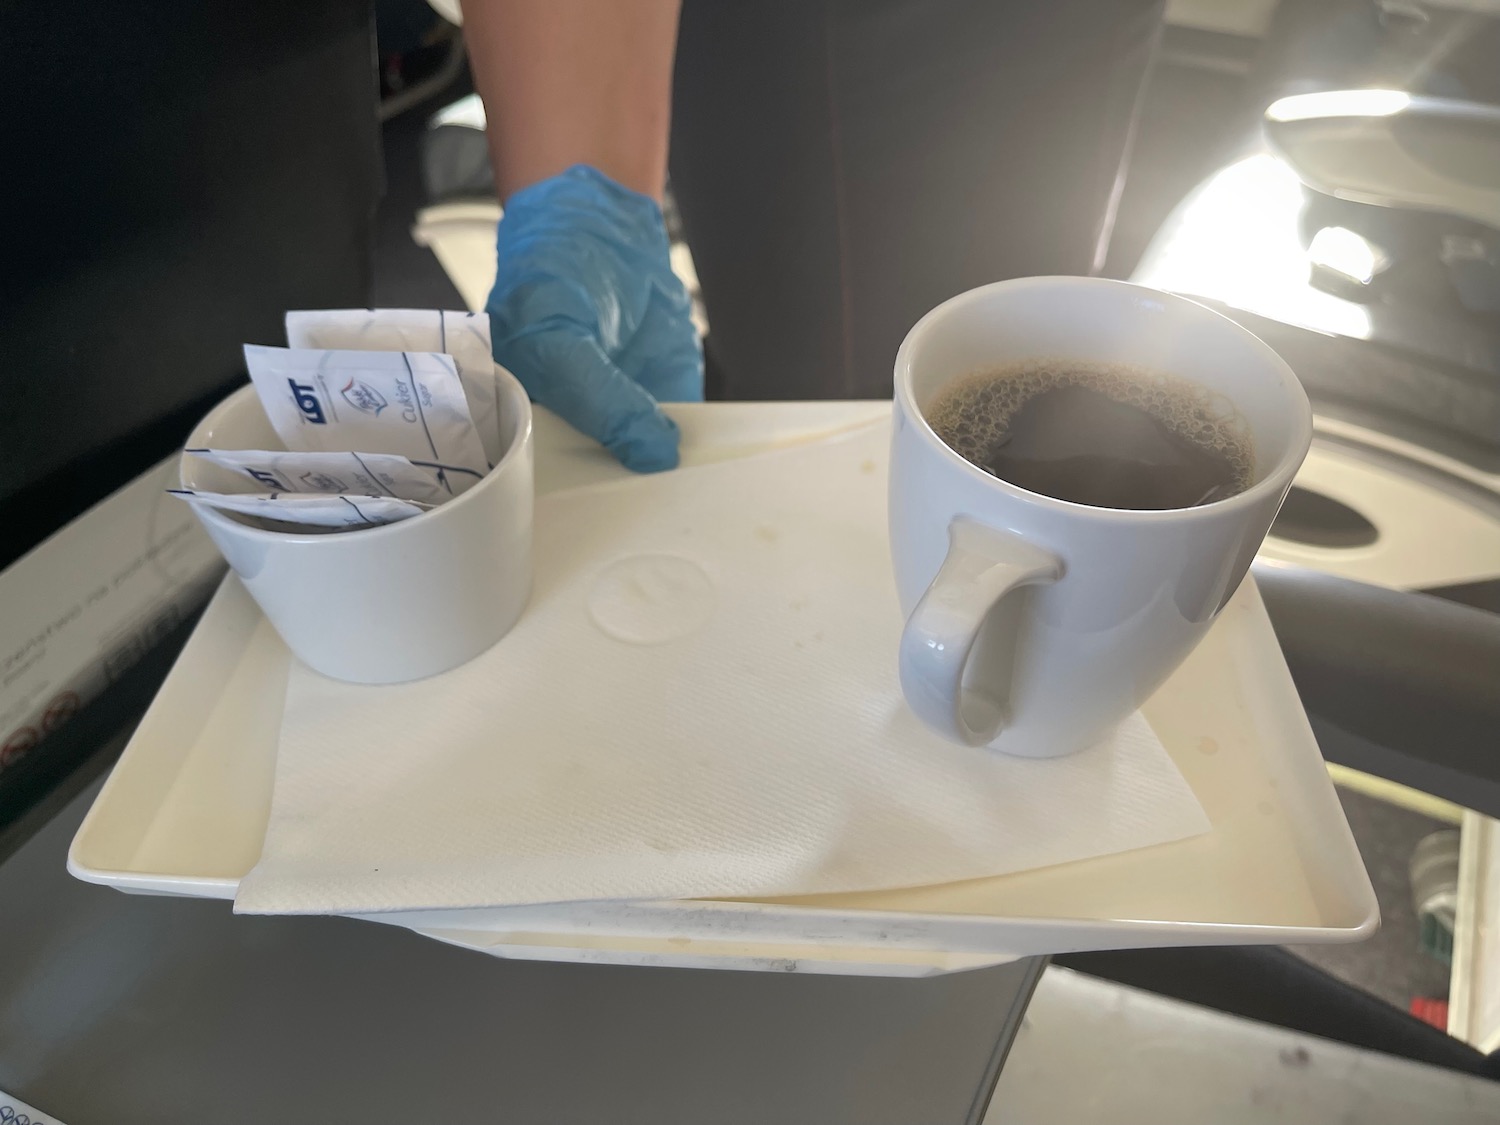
(842, 167)
(176, 175)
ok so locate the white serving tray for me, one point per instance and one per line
(184, 811)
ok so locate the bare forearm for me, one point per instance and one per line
(570, 82)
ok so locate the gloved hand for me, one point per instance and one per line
(588, 314)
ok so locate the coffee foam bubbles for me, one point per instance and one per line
(973, 413)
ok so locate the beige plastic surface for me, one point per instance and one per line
(185, 809)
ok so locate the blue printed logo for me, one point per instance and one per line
(363, 397)
(267, 478)
(306, 399)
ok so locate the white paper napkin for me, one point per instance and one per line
(756, 745)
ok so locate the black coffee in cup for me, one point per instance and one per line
(1105, 435)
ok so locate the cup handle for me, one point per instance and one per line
(983, 566)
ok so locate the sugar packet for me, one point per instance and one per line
(309, 509)
(370, 474)
(463, 335)
(407, 403)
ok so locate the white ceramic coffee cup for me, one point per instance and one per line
(386, 604)
(1035, 624)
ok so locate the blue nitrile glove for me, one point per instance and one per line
(588, 314)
